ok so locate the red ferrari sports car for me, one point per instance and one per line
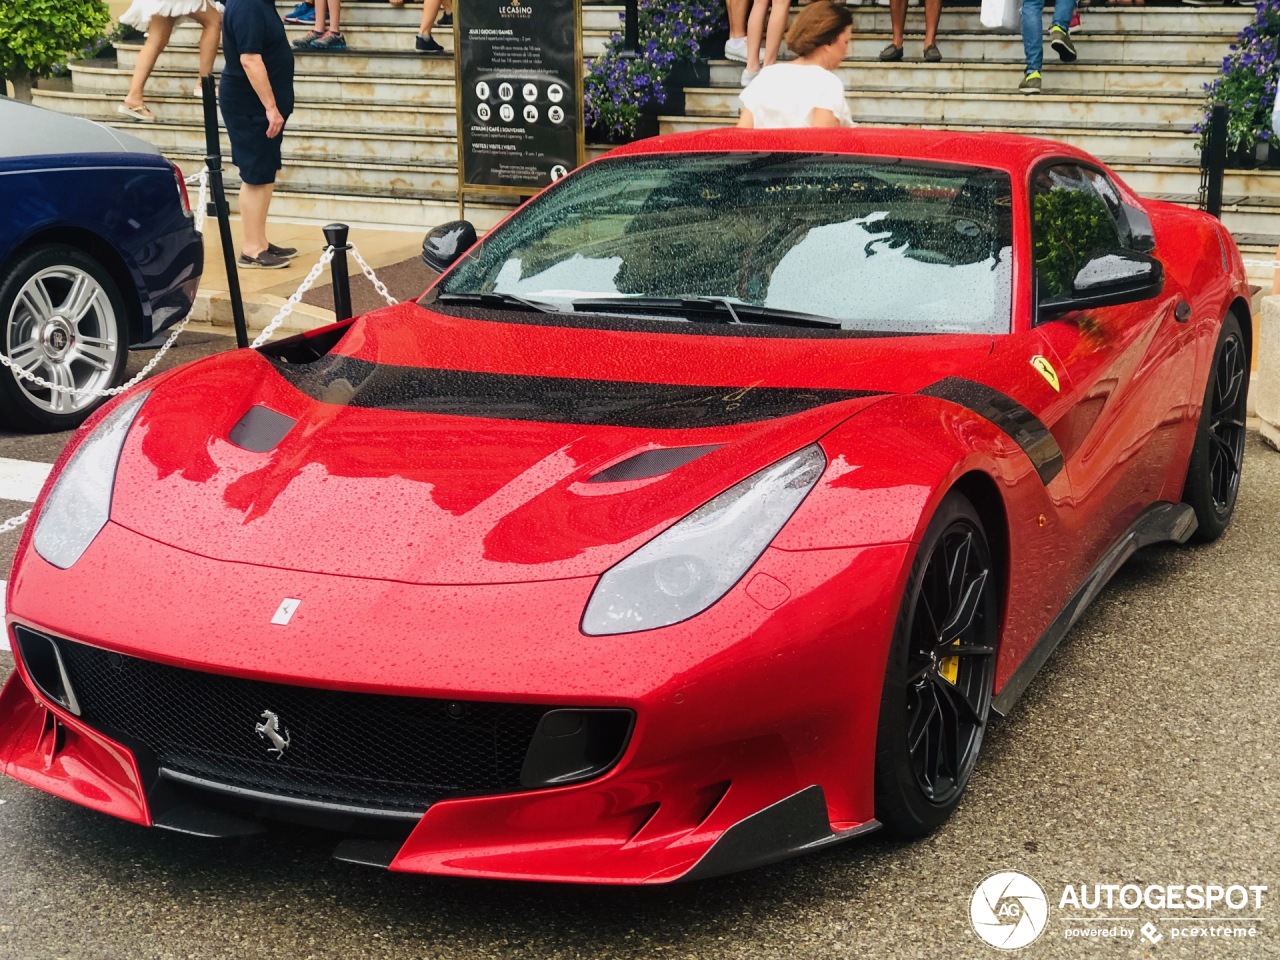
(703, 513)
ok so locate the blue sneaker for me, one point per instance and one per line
(302, 13)
(330, 41)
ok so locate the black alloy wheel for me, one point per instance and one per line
(939, 678)
(1217, 460)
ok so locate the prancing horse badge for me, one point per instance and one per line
(1045, 369)
(288, 607)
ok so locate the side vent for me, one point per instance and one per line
(652, 463)
(260, 429)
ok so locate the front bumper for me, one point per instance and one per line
(737, 711)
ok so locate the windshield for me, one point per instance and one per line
(875, 244)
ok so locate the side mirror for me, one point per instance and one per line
(444, 244)
(1107, 279)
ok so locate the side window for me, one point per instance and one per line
(1071, 222)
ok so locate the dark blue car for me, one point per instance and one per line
(98, 252)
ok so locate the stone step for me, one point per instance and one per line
(308, 87)
(399, 63)
(341, 177)
(299, 144)
(1245, 215)
(1107, 78)
(1169, 48)
(1109, 19)
(595, 17)
(370, 38)
(1149, 141)
(1150, 179)
(378, 120)
(993, 105)
(319, 207)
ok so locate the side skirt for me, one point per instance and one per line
(1159, 523)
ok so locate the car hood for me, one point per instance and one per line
(437, 450)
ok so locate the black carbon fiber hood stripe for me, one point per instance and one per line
(501, 396)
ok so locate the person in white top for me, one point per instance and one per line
(804, 92)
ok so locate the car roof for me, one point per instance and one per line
(1001, 151)
(31, 131)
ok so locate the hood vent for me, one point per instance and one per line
(652, 463)
(260, 429)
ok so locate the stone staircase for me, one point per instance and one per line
(373, 140)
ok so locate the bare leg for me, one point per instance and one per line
(430, 8)
(158, 31)
(737, 18)
(898, 14)
(210, 33)
(777, 28)
(335, 15)
(322, 10)
(755, 33)
(255, 199)
(932, 13)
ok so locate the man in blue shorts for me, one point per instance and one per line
(256, 94)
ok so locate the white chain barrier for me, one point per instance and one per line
(1273, 264)
(326, 257)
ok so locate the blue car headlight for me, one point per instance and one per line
(691, 565)
(79, 505)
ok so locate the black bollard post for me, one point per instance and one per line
(1213, 160)
(631, 29)
(335, 235)
(218, 207)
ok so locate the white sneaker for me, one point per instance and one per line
(736, 49)
(749, 75)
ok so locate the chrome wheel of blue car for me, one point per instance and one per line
(64, 324)
(938, 681)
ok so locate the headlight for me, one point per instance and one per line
(79, 505)
(690, 566)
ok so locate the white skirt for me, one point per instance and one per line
(140, 13)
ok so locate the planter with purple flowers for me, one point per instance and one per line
(1247, 85)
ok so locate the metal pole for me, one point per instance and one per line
(631, 30)
(335, 235)
(218, 207)
(1213, 160)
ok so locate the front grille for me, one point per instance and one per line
(356, 749)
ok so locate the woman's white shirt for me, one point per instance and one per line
(786, 94)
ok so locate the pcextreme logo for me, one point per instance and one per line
(1009, 910)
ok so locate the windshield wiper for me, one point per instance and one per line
(710, 308)
(497, 300)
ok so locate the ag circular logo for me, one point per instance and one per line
(1008, 910)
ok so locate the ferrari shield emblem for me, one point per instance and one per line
(1045, 369)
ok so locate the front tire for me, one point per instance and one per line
(1217, 459)
(63, 321)
(939, 676)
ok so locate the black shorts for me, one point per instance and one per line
(257, 156)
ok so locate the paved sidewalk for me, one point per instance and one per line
(265, 291)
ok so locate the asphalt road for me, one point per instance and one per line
(1144, 753)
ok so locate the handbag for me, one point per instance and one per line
(1001, 14)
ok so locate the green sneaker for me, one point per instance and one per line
(1030, 83)
(1060, 40)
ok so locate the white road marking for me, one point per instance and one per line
(22, 479)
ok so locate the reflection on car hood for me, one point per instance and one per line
(428, 449)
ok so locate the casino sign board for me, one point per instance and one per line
(519, 70)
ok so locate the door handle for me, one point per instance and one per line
(1182, 312)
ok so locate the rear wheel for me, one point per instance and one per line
(64, 322)
(1213, 475)
(938, 680)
